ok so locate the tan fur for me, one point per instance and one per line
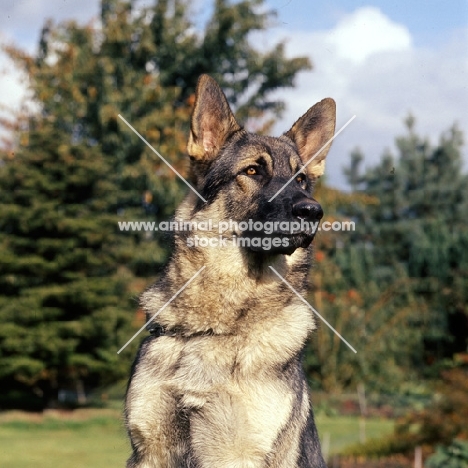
(225, 390)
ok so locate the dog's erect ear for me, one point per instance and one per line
(212, 121)
(311, 132)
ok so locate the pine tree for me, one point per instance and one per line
(417, 235)
(63, 303)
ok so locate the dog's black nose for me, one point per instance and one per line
(307, 209)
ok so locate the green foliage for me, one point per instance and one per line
(443, 420)
(453, 456)
(417, 233)
(375, 316)
(74, 169)
(396, 287)
(247, 75)
(63, 303)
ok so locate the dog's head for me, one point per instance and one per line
(244, 176)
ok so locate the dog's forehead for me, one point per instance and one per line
(281, 150)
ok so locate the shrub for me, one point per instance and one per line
(453, 456)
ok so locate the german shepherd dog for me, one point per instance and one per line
(219, 383)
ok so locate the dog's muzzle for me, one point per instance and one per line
(306, 215)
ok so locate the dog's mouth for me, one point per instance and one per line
(284, 243)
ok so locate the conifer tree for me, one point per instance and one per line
(417, 234)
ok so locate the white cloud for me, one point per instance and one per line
(370, 66)
(12, 89)
(365, 32)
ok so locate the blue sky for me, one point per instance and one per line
(378, 59)
(430, 21)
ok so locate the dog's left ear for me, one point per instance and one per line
(212, 121)
(311, 132)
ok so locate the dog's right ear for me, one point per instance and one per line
(212, 121)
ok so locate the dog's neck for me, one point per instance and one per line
(225, 291)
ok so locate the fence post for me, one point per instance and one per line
(326, 446)
(336, 461)
(361, 391)
(418, 457)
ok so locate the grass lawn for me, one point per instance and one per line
(345, 430)
(96, 438)
(87, 439)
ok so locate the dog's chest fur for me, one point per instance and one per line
(225, 385)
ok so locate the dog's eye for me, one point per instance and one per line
(301, 179)
(251, 170)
